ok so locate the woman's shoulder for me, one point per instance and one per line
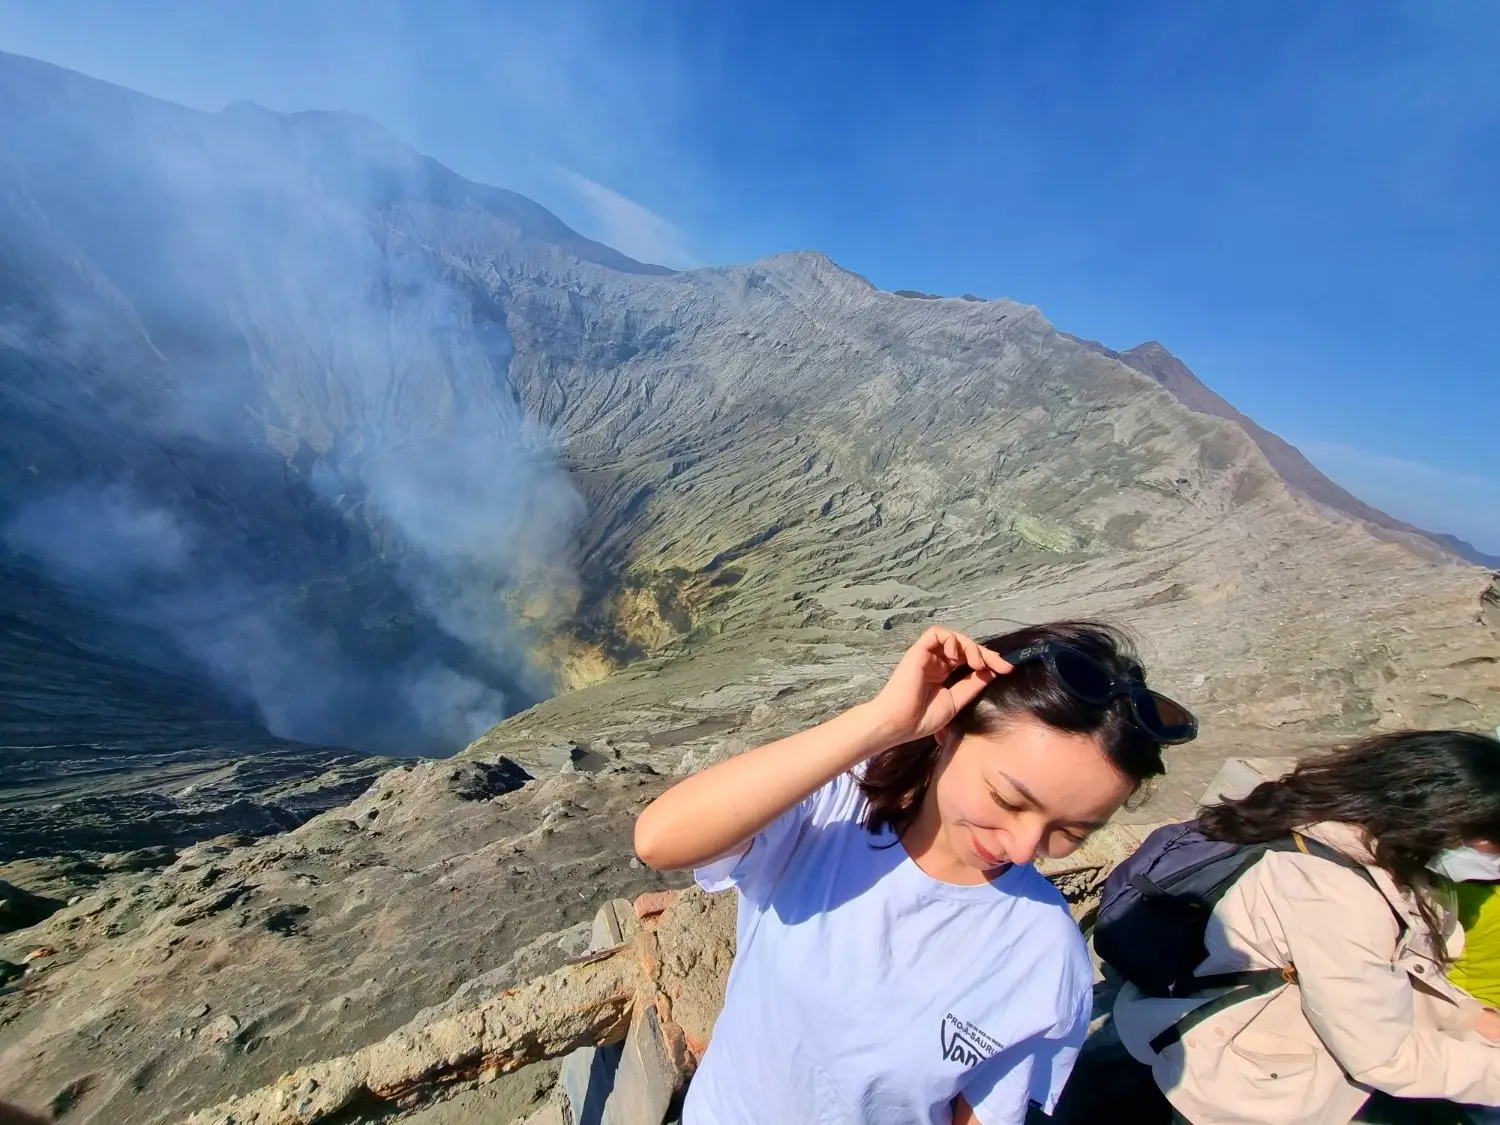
(1027, 882)
(1044, 916)
(1039, 940)
(1329, 857)
(839, 799)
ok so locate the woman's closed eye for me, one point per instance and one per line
(1075, 836)
(1008, 806)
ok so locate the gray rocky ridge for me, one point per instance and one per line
(316, 455)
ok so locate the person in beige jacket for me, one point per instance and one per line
(1366, 1005)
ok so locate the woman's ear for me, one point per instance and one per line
(947, 738)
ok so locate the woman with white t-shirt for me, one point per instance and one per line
(899, 959)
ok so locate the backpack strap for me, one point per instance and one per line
(1249, 984)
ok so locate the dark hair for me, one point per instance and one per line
(1412, 793)
(895, 781)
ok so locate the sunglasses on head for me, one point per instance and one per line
(1086, 679)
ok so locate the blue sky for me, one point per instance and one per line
(1301, 199)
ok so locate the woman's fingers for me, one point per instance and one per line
(980, 657)
(970, 688)
(955, 650)
(996, 663)
(935, 637)
(935, 642)
(977, 656)
(943, 651)
(930, 655)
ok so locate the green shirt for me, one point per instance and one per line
(1477, 972)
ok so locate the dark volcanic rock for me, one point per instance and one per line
(146, 823)
(115, 823)
(20, 908)
(478, 781)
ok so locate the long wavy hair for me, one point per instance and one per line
(895, 781)
(1412, 794)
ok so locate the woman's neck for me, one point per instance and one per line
(932, 851)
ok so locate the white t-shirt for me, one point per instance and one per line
(865, 991)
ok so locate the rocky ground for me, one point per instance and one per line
(158, 991)
(652, 982)
(165, 990)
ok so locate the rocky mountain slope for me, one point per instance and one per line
(309, 443)
(1301, 474)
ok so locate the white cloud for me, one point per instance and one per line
(628, 226)
(1435, 498)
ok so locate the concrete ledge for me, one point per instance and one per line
(1238, 776)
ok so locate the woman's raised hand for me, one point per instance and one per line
(716, 812)
(918, 699)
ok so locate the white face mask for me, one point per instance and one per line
(1467, 865)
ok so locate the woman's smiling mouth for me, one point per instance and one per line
(987, 857)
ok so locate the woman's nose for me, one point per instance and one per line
(1025, 842)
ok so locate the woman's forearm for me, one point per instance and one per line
(718, 810)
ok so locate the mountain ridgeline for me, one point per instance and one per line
(314, 449)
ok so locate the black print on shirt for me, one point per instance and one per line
(964, 1043)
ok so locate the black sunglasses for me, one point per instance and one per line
(1085, 678)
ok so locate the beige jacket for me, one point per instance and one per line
(1366, 1011)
